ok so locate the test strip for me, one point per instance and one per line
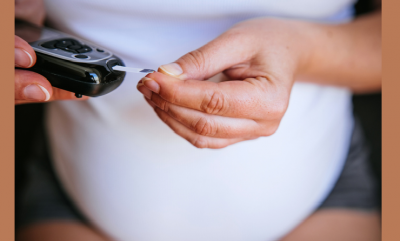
(132, 70)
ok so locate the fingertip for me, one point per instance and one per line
(26, 49)
(172, 69)
(151, 84)
(30, 58)
(46, 92)
(148, 86)
(35, 92)
(140, 83)
(31, 86)
(23, 58)
(153, 75)
(160, 83)
(163, 78)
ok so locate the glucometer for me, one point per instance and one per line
(73, 64)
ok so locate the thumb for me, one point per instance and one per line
(222, 53)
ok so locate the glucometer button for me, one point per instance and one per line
(100, 50)
(84, 49)
(75, 47)
(81, 56)
(50, 44)
(66, 41)
(69, 50)
(75, 42)
(61, 45)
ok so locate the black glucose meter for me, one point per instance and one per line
(70, 63)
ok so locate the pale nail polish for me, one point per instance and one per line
(36, 92)
(140, 83)
(173, 69)
(21, 59)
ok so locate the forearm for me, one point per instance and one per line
(347, 55)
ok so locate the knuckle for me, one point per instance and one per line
(198, 59)
(213, 103)
(162, 104)
(205, 127)
(173, 94)
(161, 115)
(165, 106)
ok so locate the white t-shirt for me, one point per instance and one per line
(136, 180)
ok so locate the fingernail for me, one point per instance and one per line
(151, 84)
(36, 92)
(171, 69)
(146, 92)
(21, 59)
(140, 83)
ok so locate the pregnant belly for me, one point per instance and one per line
(144, 183)
(214, 201)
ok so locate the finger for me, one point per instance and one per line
(249, 99)
(212, 58)
(195, 139)
(150, 103)
(213, 125)
(31, 86)
(144, 90)
(65, 96)
(25, 56)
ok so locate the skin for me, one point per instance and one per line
(33, 11)
(338, 225)
(266, 57)
(60, 230)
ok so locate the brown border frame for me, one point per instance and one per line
(7, 121)
(391, 122)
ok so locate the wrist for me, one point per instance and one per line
(295, 43)
(308, 37)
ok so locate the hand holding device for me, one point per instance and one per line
(31, 87)
(70, 63)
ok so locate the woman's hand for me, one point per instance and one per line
(250, 105)
(31, 87)
(261, 58)
(215, 115)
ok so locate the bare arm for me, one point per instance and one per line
(347, 54)
(262, 58)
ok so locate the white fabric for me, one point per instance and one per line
(138, 181)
